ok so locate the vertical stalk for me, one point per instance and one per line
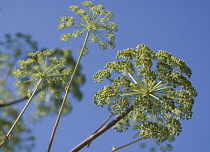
(67, 92)
(7, 136)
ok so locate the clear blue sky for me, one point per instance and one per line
(181, 27)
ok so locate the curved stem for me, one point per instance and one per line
(4, 104)
(8, 135)
(67, 91)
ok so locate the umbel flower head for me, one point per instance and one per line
(156, 84)
(54, 68)
(38, 66)
(94, 19)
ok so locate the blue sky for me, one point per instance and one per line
(179, 27)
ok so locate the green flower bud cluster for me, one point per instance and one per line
(94, 19)
(158, 86)
(54, 67)
(38, 66)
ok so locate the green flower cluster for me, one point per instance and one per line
(54, 68)
(40, 66)
(94, 19)
(158, 86)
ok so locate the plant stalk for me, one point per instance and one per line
(9, 134)
(67, 92)
(101, 131)
(115, 149)
(102, 125)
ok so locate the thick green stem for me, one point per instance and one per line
(8, 135)
(67, 92)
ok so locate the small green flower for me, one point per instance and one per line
(158, 86)
(94, 19)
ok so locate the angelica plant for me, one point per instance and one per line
(47, 99)
(147, 91)
(95, 21)
(39, 68)
(156, 85)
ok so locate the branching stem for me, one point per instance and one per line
(104, 123)
(107, 119)
(101, 131)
